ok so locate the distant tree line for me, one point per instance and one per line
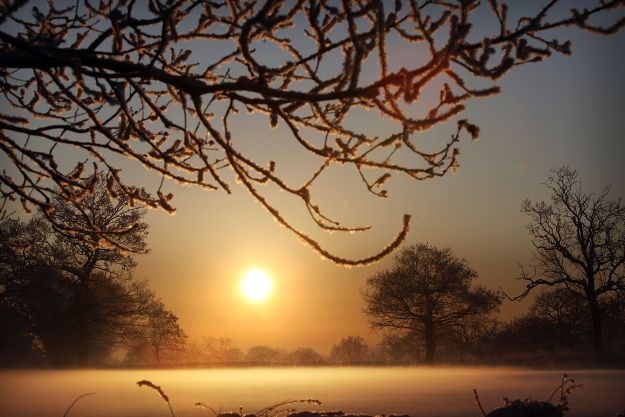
(68, 300)
(433, 311)
(554, 332)
(220, 351)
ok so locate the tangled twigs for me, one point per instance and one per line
(89, 87)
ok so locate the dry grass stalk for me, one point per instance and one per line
(75, 401)
(149, 384)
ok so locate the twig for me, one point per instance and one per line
(75, 401)
(477, 400)
(559, 388)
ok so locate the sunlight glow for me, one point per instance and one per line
(256, 285)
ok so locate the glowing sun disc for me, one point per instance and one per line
(256, 285)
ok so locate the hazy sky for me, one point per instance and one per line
(566, 111)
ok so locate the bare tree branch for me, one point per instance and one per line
(161, 83)
(580, 244)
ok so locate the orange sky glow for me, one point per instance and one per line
(199, 254)
(565, 111)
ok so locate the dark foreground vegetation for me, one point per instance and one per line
(556, 405)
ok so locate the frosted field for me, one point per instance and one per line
(426, 392)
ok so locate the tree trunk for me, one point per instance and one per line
(82, 312)
(157, 353)
(82, 325)
(430, 348)
(430, 341)
(597, 334)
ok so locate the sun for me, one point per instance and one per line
(256, 285)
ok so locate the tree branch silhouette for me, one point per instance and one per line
(161, 82)
(579, 241)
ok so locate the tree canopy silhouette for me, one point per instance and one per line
(427, 291)
(579, 241)
(351, 350)
(159, 335)
(71, 297)
(161, 83)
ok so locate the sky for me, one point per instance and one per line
(565, 111)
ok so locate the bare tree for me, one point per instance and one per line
(428, 291)
(98, 269)
(562, 309)
(399, 348)
(159, 336)
(580, 245)
(117, 233)
(161, 83)
(221, 351)
(264, 355)
(350, 350)
(305, 356)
